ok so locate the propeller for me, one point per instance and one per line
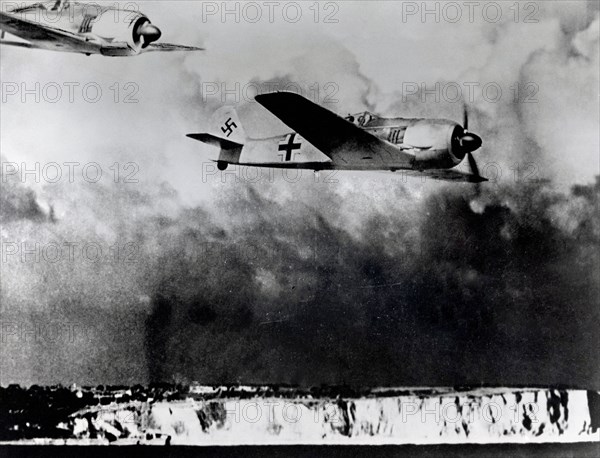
(473, 164)
(148, 33)
(469, 142)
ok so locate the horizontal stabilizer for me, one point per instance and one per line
(213, 140)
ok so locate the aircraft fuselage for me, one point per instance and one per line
(431, 141)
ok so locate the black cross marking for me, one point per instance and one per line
(228, 127)
(289, 146)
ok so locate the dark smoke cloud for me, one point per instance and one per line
(500, 294)
(18, 202)
(497, 285)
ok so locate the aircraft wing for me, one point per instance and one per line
(341, 140)
(445, 175)
(20, 44)
(154, 47)
(34, 32)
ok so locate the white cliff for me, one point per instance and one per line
(476, 416)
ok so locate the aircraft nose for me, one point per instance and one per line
(151, 33)
(471, 142)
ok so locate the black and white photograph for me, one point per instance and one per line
(300, 228)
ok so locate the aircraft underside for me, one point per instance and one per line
(438, 174)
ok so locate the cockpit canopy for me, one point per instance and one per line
(362, 119)
(54, 5)
(57, 5)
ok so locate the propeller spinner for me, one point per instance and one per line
(148, 33)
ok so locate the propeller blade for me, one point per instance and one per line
(473, 164)
(465, 117)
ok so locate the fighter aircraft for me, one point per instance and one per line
(322, 140)
(85, 28)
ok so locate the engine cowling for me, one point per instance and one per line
(137, 33)
(440, 143)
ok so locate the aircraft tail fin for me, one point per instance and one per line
(226, 124)
(229, 136)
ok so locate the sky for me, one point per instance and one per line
(167, 270)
